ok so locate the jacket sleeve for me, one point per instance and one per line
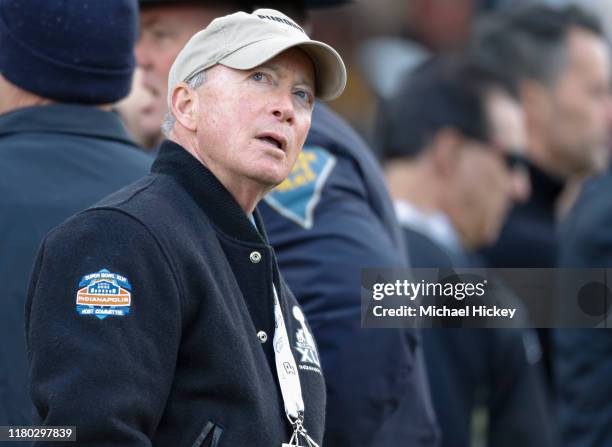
(108, 375)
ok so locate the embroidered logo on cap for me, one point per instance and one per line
(297, 197)
(281, 20)
(104, 294)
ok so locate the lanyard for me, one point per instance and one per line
(288, 378)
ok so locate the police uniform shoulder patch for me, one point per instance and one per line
(104, 294)
(297, 197)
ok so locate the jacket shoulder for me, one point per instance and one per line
(155, 200)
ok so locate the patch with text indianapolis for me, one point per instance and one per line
(104, 294)
(297, 197)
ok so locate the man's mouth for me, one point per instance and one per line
(274, 139)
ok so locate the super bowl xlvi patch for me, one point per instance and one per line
(104, 294)
(297, 197)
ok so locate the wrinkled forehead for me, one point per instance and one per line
(293, 62)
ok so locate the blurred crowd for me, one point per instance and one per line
(481, 137)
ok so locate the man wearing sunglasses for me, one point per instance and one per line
(454, 138)
(454, 152)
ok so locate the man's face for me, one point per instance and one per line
(164, 31)
(486, 186)
(578, 127)
(252, 124)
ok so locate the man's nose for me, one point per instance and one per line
(142, 53)
(283, 107)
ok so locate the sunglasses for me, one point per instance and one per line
(514, 160)
(513, 157)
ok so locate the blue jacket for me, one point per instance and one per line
(55, 160)
(184, 360)
(583, 357)
(328, 220)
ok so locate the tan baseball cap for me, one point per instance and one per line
(244, 41)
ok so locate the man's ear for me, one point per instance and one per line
(185, 103)
(445, 151)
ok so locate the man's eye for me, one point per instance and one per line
(258, 76)
(160, 34)
(304, 95)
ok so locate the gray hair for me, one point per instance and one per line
(195, 82)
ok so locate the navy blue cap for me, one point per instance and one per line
(69, 51)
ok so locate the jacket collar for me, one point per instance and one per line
(65, 119)
(208, 192)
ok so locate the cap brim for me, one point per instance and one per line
(330, 73)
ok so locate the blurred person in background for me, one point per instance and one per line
(582, 356)
(138, 108)
(375, 379)
(424, 140)
(560, 58)
(61, 149)
(454, 139)
(165, 27)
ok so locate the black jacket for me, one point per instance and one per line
(186, 365)
(528, 238)
(55, 160)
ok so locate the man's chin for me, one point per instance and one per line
(272, 173)
(490, 237)
(269, 180)
(274, 182)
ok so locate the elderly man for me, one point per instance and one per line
(165, 301)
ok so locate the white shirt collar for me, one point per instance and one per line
(436, 226)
